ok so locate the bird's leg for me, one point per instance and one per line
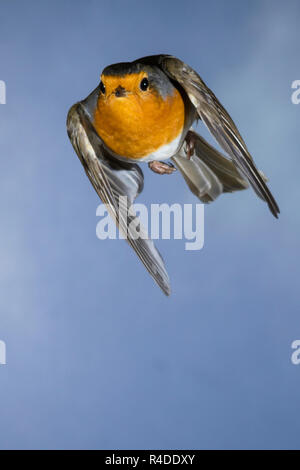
(190, 144)
(161, 168)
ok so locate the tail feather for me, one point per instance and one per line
(208, 173)
(199, 177)
(223, 168)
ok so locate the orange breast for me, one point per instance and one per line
(139, 123)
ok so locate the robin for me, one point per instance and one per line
(142, 111)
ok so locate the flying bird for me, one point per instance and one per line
(143, 111)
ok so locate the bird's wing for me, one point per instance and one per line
(218, 121)
(117, 185)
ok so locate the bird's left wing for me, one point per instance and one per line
(117, 185)
(217, 120)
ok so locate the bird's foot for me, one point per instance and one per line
(190, 144)
(161, 168)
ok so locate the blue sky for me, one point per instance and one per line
(97, 357)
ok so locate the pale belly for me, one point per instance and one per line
(162, 153)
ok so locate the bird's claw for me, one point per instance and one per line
(161, 168)
(190, 144)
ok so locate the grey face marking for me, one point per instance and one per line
(159, 81)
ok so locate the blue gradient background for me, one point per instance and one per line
(97, 357)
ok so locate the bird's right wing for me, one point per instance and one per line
(117, 185)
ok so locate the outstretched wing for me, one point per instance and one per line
(117, 185)
(219, 123)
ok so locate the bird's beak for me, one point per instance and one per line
(120, 92)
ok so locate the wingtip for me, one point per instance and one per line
(275, 212)
(273, 206)
(166, 289)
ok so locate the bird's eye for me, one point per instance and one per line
(144, 84)
(102, 88)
